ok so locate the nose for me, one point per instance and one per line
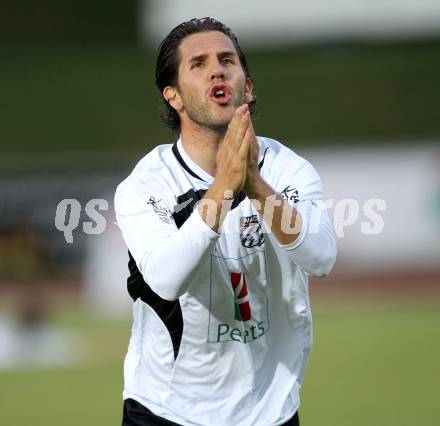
(217, 71)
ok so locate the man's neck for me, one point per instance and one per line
(202, 144)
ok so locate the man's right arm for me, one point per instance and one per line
(167, 257)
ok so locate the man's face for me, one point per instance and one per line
(211, 81)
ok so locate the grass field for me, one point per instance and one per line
(374, 363)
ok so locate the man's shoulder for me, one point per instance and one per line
(276, 153)
(288, 172)
(148, 172)
(153, 161)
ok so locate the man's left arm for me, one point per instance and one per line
(300, 222)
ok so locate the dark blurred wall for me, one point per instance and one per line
(52, 22)
(78, 89)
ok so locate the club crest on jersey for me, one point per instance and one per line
(251, 234)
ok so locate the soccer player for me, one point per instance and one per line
(223, 230)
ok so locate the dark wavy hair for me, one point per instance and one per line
(167, 63)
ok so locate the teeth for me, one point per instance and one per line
(219, 92)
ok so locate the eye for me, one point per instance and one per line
(227, 61)
(197, 64)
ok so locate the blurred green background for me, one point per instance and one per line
(374, 363)
(77, 93)
(75, 79)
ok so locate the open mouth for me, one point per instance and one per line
(221, 93)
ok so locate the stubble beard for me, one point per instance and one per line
(203, 114)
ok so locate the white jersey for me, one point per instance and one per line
(221, 321)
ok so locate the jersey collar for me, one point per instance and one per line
(189, 165)
(194, 169)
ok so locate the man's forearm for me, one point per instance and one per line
(284, 221)
(214, 206)
(186, 248)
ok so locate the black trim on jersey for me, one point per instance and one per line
(192, 197)
(187, 168)
(238, 199)
(260, 165)
(169, 312)
(182, 163)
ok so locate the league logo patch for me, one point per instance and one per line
(290, 194)
(161, 211)
(251, 234)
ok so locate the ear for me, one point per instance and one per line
(248, 96)
(172, 96)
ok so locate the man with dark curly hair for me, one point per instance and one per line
(223, 230)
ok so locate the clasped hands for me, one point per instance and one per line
(237, 156)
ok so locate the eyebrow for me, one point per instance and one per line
(197, 58)
(203, 56)
(227, 53)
